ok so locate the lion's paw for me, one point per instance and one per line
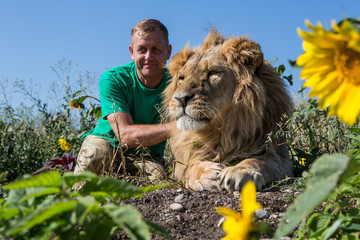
(208, 179)
(234, 178)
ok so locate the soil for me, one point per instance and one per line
(198, 219)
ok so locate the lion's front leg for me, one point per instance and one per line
(234, 178)
(260, 171)
(202, 175)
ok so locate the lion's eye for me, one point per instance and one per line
(213, 73)
(181, 78)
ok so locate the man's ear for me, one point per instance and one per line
(131, 50)
(169, 48)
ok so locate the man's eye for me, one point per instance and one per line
(156, 50)
(142, 50)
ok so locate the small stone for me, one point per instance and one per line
(179, 218)
(221, 221)
(236, 193)
(179, 198)
(177, 207)
(261, 213)
(273, 216)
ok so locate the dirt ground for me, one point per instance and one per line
(195, 217)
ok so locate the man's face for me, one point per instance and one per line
(150, 53)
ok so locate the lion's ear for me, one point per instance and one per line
(242, 50)
(179, 60)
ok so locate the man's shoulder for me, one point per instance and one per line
(123, 73)
(123, 69)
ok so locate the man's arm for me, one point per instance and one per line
(134, 135)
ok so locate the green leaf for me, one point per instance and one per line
(69, 179)
(326, 173)
(129, 218)
(334, 227)
(157, 229)
(49, 179)
(97, 112)
(99, 229)
(280, 69)
(153, 188)
(289, 79)
(8, 213)
(41, 192)
(110, 187)
(39, 216)
(77, 93)
(82, 98)
(351, 227)
(317, 223)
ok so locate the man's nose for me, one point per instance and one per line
(148, 54)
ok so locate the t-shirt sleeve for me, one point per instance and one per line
(113, 95)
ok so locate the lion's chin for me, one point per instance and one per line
(186, 123)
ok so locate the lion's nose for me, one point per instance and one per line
(184, 100)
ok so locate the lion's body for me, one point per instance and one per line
(226, 102)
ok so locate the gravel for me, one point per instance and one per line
(190, 214)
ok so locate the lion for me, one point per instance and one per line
(226, 101)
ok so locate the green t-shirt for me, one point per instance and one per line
(121, 91)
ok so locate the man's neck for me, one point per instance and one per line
(150, 83)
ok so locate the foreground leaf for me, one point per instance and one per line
(49, 179)
(326, 174)
(39, 216)
(129, 218)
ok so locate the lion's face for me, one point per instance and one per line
(210, 79)
(204, 87)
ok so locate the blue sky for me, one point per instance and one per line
(36, 34)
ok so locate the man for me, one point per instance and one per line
(130, 97)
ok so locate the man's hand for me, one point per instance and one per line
(134, 135)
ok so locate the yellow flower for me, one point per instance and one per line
(64, 145)
(74, 104)
(331, 65)
(238, 226)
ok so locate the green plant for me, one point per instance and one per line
(46, 206)
(311, 133)
(30, 133)
(332, 180)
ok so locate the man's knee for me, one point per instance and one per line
(95, 155)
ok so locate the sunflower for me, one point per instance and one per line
(64, 145)
(75, 104)
(331, 65)
(238, 226)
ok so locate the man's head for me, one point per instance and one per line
(150, 49)
(148, 26)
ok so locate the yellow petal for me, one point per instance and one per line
(227, 212)
(323, 85)
(349, 110)
(333, 99)
(248, 199)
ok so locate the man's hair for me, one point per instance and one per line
(148, 26)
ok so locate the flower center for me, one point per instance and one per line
(347, 61)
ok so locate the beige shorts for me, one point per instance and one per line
(97, 155)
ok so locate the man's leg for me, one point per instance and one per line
(153, 167)
(96, 155)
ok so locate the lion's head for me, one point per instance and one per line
(225, 84)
